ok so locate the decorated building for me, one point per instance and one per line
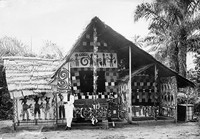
(100, 64)
(109, 75)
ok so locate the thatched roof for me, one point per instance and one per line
(29, 75)
(120, 45)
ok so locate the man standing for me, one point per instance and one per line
(61, 107)
(69, 106)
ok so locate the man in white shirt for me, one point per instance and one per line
(69, 106)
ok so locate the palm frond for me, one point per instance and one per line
(147, 11)
(193, 24)
(193, 7)
(193, 43)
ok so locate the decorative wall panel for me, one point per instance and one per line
(168, 88)
(86, 59)
(143, 91)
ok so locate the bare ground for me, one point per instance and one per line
(151, 130)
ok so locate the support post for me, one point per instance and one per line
(130, 90)
(155, 92)
(175, 90)
(187, 94)
(56, 109)
(14, 113)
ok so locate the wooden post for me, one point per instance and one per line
(155, 92)
(56, 107)
(174, 84)
(187, 95)
(130, 90)
(14, 113)
(95, 49)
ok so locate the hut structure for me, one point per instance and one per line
(102, 64)
(109, 75)
(28, 84)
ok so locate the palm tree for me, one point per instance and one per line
(138, 40)
(174, 25)
(12, 47)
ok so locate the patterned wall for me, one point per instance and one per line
(110, 84)
(143, 91)
(86, 59)
(63, 78)
(44, 110)
(144, 95)
(88, 110)
(168, 88)
(144, 111)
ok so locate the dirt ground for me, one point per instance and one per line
(154, 130)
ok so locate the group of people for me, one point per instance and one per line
(66, 106)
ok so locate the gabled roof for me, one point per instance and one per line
(121, 45)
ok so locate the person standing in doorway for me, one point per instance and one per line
(69, 106)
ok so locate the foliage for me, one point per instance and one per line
(138, 40)
(174, 29)
(187, 95)
(9, 47)
(51, 51)
(5, 101)
(197, 69)
(12, 47)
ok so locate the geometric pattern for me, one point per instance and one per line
(144, 111)
(75, 80)
(168, 88)
(110, 83)
(15, 112)
(143, 90)
(54, 103)
(88, 112)
(89, 95)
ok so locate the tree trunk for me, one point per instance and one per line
(182, 54)
(173, 57)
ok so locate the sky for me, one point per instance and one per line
(33, 22)
(62, 21)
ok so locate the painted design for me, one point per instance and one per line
(25, 108)
(37, 108)
(144, 90)
(53, 104)
(63, 79)
(41, 107)
(110, 82)
(168, 88)
(47, 114)
(145, 111)
(88, 112)
(86, 59)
